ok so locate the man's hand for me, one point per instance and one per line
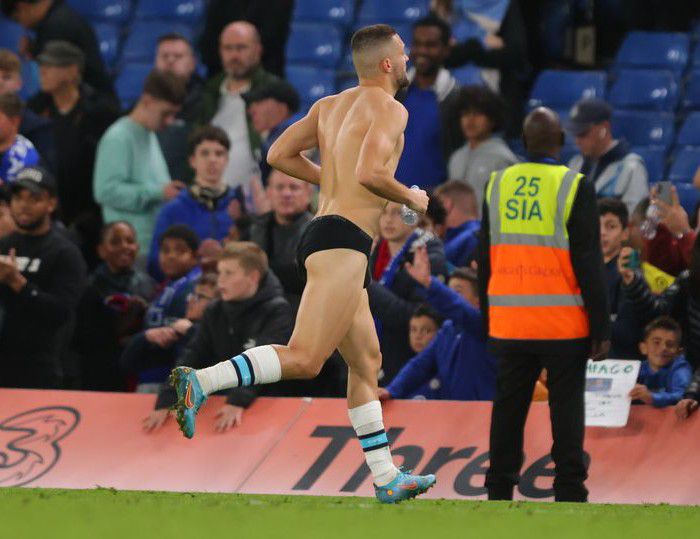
(9, 272)
(420, 269)
(685, 407)
(418, 201)
(673, 216)
(492, 41)
(227, 417)
(383, 394)
(622, 261)
(156, 419)
(642, 393)
(172, 189)
(182, 325)
(164, 337)
(599, 350)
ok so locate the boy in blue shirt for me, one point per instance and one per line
(665, 373)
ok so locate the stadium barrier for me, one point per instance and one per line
(68, 439)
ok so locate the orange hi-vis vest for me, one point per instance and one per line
(533, 293)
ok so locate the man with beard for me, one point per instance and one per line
(433, 131)
(223, 104)
(42, 276)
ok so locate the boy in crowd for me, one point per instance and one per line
(422, 327)
(16, 152)
(665, 374)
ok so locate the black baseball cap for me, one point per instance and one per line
(35, 179)
(61, 53)
(587, 113)
(279, 91)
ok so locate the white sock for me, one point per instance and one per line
(369, 427)
(259, 365)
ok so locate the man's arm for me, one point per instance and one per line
(285, 154)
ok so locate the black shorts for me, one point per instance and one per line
(332, 232)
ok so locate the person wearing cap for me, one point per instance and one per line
(51, 20)
(615, 171)
(271, 109)
(42, 277)
(16, 152)
(80, 115)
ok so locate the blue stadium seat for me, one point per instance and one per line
(567, 152)
(643, 89)
(10, 34)
(311, 82)
(654, 50)
(644, 128)
(695, 60)
(468, 75)
(186, 11)
(561, 89)
(141, 44)
(346, 64)
(30, 79)
(689, 196)
(347, 81)
(691, 96)
(684, 165)
(318, 44)
(689, 134)
(108, 39)
(114, 11)
(654, 159)
(392, 11)
(129, 82)
(339, 12)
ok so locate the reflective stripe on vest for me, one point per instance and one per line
(533, 292)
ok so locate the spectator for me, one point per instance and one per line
(37, 129)
(462, 221)
(271, 109)
(151, 353)
(422, 327)
(394, 295)
(251, 312)
(614, 170)
(457, 355)
(665, 373)
(206, 205)
(131, 177)
(16, 152)
(174, 55)
(278, 231)
(432, 132)
(614, 233)
(681, 300)
(222, 102)
(111, 309)
(55, 20)
(42, 277)
(481, 116)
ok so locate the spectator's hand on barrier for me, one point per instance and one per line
(156, 419)
(685, 407)
(383, 394)
(420, 269)
(418, 201)
(599, 350)
(228, 417)
(622, 261)
(164, 337)
(642, 393)
(673, 216)
(172, 189)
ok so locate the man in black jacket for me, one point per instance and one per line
(252, 312)
(42, 277)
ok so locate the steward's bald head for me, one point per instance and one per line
(542, 132)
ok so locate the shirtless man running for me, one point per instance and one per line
(360, 136)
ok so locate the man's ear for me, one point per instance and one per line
(643, 348)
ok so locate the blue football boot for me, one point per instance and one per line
(190, 398)
(404, 487)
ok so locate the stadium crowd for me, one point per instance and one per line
(132, 241)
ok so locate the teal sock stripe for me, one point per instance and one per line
(375, 440)
(244, 370)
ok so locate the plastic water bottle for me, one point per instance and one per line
(651, 223)
(409, 216)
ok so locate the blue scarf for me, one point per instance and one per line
(157, 310)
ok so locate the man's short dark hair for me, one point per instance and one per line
(181, 232)
(615, 207)
(11, 105)
(428, 311)
(461, 193)
(482, 100)
(663, 322)
(371, 36)
(173, 36)
(166, 87)
(208, 132)
(434, 21)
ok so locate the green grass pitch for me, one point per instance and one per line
(107, 513)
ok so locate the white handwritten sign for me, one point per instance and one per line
(608, 384)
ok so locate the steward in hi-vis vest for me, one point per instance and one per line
(544, 299)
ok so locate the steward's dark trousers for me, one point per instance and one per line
(517, 374)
